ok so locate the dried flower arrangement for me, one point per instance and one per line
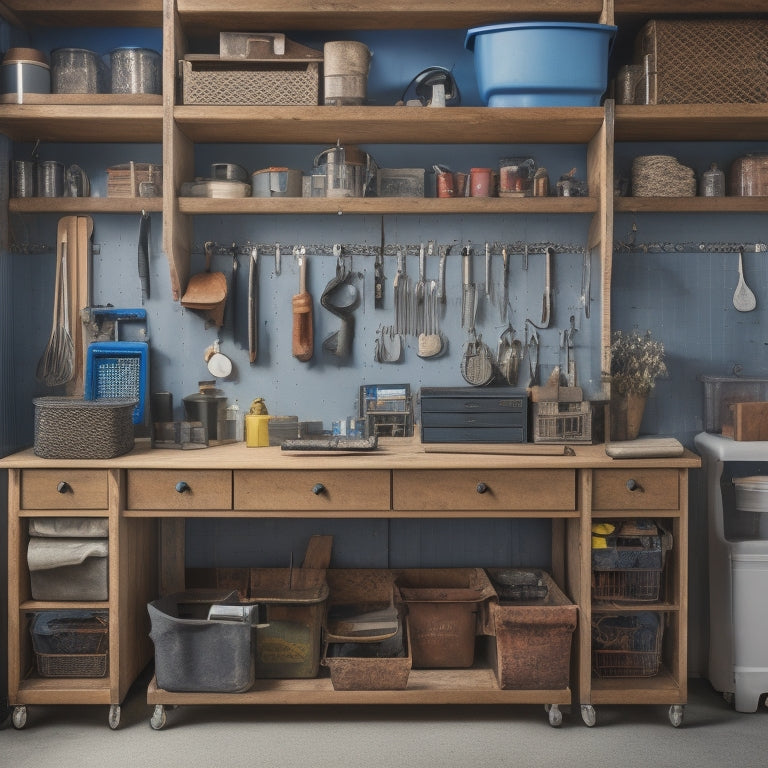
(636, 362)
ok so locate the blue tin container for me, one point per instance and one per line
(541, 64)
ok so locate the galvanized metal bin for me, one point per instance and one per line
(193, 653)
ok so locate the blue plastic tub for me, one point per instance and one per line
(541, 63)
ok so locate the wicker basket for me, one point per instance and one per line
(71, 428)
(710, 61)
(206, 79)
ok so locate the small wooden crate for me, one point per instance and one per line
(135, 180)
(556, 422)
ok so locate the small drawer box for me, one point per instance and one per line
(471, 415)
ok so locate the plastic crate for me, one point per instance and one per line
(71, 643)
(629, 568)
(722, 391)
(626, 645)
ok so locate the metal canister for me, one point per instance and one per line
(24, 178)
(50, 178)
(208, 407)
(136, 70)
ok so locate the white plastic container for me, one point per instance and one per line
(752, 496)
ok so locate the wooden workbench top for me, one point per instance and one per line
(392, 453)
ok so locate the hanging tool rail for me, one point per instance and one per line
(368, 249)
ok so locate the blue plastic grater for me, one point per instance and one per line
(118, 368)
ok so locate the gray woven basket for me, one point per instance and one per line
(71, 428)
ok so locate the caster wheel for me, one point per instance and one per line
(114, 716)
(19, 717)
(555, 715)
(588, 714)
(728, 697)
(676, 715)
(157, 721)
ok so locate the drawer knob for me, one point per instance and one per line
(318, 488)
(63, 487)
(633, 485)
(482, 487)
(182, 487)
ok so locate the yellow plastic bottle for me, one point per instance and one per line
(256, 425)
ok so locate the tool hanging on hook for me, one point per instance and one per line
(143, 255)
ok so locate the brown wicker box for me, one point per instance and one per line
(708, 61)
(71, 428)
(207, 79)
(533, 640)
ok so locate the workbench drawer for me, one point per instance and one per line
(310, 489)
(484, 489)
(208, 489)
(630, 489)
(64, 489)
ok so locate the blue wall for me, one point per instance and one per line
(684, 299)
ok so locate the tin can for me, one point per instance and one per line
(480, 182)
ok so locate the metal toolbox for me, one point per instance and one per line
(471, 415)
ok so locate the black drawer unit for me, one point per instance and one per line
(471, 415)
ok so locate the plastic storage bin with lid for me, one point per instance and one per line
(541, 63)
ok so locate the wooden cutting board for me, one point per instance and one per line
(645, 448)
(749, 421)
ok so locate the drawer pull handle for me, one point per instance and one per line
(182, 487)
(482, 488)
(318, 488)
(633, 485)
(63, 487)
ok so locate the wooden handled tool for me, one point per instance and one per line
(303, 335)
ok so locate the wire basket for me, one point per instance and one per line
(626, 645)
(629, 568)
(71, 643)
(556, 422)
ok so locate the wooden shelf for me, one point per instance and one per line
(425, 686)
(692, 122)
(81, 13)
(60, 690)
(85, 205)
(604, 606)
(663, 688)
(63, 605)
(387, 205)
(690, 204)
(389, 125)
(116, 121)
(200, 17)
(708, 7)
